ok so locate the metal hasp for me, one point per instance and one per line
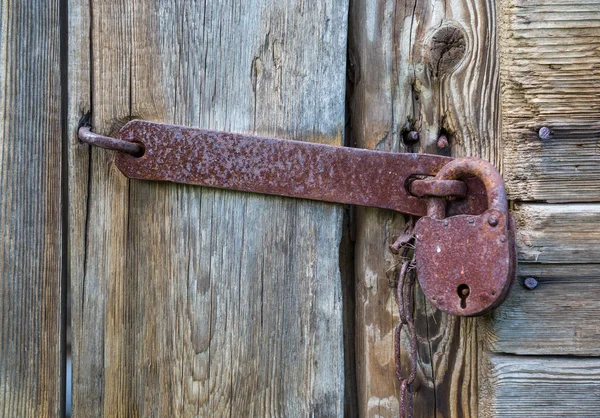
(291, 168)
(466, 264)
(464, 248)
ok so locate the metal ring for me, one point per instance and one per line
(86, 135)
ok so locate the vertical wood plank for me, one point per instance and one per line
(31, 306)
(428, 66)
(192, 301)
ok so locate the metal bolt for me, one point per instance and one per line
(530, 283)
(471, 220)
(544, 133)
(493, 220)
(411, 137)
(442, 142)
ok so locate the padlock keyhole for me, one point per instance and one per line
(463, 293)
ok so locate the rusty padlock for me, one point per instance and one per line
(466, 264)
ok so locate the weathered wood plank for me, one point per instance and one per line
(549, 70)
(429, 66)
(31, 307)
(558, 245)
(560, 317)
(542, 387)
(565, 233)
(191, 301)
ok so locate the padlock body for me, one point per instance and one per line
(466, 264)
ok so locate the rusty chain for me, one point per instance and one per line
(404, 292)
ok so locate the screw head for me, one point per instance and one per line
(493, 220)
(411, 137)
(530, 283)
(544, 133)
(442, 142)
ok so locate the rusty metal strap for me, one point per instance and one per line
(287, 167)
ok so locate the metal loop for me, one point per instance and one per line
(86, 135)
(463, 167)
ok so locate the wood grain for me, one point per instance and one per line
(192, 301)
(559, 317)
(430, 66)
(550, 65)
(31, 271)
(566, 233)
(542, 387)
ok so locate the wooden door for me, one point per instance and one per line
(190, 301)
(489, 75)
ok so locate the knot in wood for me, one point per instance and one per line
(447, 48)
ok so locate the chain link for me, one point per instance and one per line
(404, 298)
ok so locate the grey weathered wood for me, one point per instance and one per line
(565, 233)
(549, 63)
(430, 66)
(560, 317)
(31, 308)
(542, 387)
(191, 301)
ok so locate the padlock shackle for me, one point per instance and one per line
(461, 168)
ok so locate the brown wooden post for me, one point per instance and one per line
(429, 67)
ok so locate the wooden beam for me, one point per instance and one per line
(428, 66)
(542, 387)
(192, 301)
(549, 64)
(31, 250)
(558, 233)
(560, 316)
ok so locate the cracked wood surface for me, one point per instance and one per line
(429, 66)
(190, 301)
(558, 233)
(561, 316)
(550, 65)
(542, 387)
(558, 246)
(31, 249)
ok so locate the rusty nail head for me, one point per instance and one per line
(442, 142)
(493, 220)
(544, 133)
(411, 137)
(471, 220)
(530, 283)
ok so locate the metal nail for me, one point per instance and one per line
(442, 142)
(530, 283)
(544, 133)
(411, 137)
